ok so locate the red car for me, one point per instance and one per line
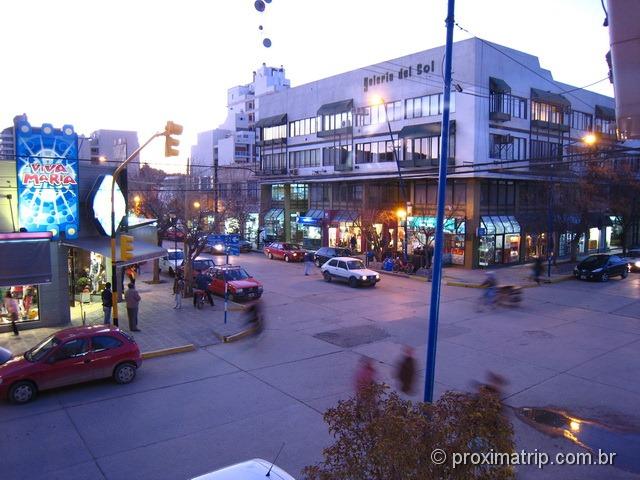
(73, 355)
(240, 285)
(289, 252)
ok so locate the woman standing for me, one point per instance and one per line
(11, 305)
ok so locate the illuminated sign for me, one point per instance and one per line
(47, 171)
(100, 203)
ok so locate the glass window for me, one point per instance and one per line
(342, 265)
(72, 348)
(408, 108)
(498, 224)
(434, 104)
(417, 107)
(488, 225)
(104, 342)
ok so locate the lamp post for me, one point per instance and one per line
(174, 223)
(378, 100)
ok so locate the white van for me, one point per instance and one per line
(168, 262)
(255, 469)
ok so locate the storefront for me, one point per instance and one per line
(422, 237)
(343, 227)
(311, 225)
(499, 240)
(274, 225)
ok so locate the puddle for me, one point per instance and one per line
(587, 434)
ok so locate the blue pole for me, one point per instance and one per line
(434, 307)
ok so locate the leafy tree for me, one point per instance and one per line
(378, 435)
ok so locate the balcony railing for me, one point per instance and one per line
(272, 171)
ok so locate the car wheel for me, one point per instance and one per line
(124, 373)
(624, 274)
(286, 258)
(604, 277)
(270, 255)
(353, 282)
(327, 276)
(22, 392)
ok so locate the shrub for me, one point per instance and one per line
(378, 435)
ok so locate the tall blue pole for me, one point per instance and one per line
(434, 308)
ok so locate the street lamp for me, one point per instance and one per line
(196, 205)
(174, 223)
(378, 100)
(402, 216)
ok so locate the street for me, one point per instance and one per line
(571, 346)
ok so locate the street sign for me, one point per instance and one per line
(226, 240)
(233, 250)
(215, 239)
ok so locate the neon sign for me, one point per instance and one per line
(47, 174)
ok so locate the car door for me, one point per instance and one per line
(331, 267)
(68, 364)
(616, 265)
(104, 355)
(217, 283)
(342, 271)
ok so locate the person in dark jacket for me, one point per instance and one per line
(406, 371)
(132, 298)
(537, 269)
(107, 303)
(202, 282)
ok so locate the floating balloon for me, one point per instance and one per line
(267, 1)
(260, 27)
(266, 42)
(259, 4)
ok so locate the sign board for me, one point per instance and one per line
(47, 178)
(481, 232)
(99, 201)
(231, 242)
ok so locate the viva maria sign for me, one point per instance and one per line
(47, 177)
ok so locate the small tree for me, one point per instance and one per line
(378, 435)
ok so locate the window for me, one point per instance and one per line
(545, 112)
(608, 127)
(420, 193)
(426, 106)
(277, 193)
(541, 150)
(509, 104)
(335, 121)
(100, 343)
(274, 133)
(72, 348)
(507, 147)
(363, 153)
(299, 191)
(342, 265)
(333, 263)
(274, 161)
(306, 126)
(336, 155)
(304, 158)
(498, 195)
(581, 121)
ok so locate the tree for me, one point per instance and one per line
(378, 435)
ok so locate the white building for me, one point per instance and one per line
(328, 164)
(111, 147)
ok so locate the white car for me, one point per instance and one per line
(255, 469)
(174, 257)
(350, 270)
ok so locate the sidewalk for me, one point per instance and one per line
(161, 326)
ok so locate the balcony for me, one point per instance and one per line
(266, 172)
(348, 130)
(424, 162)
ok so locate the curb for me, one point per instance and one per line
(402, 275)
(168, 351)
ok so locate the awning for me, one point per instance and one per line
(425, 130)
(319, 214)
(25, 259)
(313, 217)
(142, 251)
(336, 107)
(274, 214)
(556, 99)
(605, 113)
(497, 85)
(499, 224)
(272, 121)
(345, 216)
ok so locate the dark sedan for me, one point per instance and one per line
(601, 267)
(325, 254)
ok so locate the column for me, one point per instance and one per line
(472, 214)
(287, 212)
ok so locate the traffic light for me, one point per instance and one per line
(126, 247)
(170, 142)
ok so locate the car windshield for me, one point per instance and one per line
(291, 247)
(594, 261)
(237, 274)
(38, 352)
(202, 264)
(355, 265)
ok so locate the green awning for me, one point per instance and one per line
(425, 130)
(497, 85)
(605, 113)
(336, 107)
(556, 99)
(272, 121)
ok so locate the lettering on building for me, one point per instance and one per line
(388, 77)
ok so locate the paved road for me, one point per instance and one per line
(572, 346)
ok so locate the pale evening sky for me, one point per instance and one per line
(133, 65)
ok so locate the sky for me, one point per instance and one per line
(133, 65)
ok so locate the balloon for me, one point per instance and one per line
(259, 4)
(266, 42)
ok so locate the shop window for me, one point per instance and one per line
(27, 297)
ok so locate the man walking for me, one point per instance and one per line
(178, 290)
(308, 263)
(107, 303)
(354, 243)
(132, 297)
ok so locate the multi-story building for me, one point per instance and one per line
(336, 161)
(111, 147)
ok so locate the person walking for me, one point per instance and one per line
(354, 243)
(202, 282)
(406, 370)
(132, 298)
(308, 263)
(365, 375)
(11, 304)
(107, 303)
(178, 291)
(537, 269)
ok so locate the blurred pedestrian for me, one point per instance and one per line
(308, 263)
(132, 297)
(178, 291)
(11, 305)
(107, 303)
(131, 273)
(537, 269)
(406, 370)
(354, 243)
(365, 375)
(255, 318)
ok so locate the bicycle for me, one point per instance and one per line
(401, 266)
(199, 298)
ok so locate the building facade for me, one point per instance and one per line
(356, 155)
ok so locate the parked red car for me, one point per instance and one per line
(73, 355)
(240, 285)
(289, 252)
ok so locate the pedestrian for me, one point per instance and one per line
(131, 273)
(202, 282)
(406, 370)
(308, 263)
(354, 243)
(132, 297)
(107, 303)
(537, 269)
(11, 305)
(365, 375)
(178, 291)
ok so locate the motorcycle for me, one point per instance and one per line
(508, 295)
